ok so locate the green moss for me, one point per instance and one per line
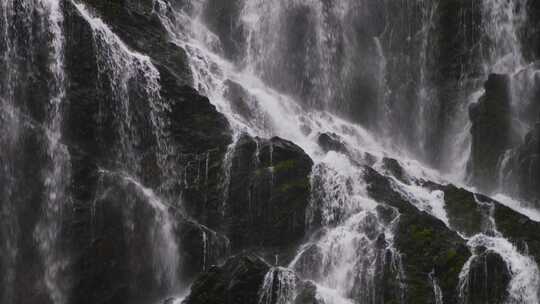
(285, 165)
(463, 211)
(298, 184)
(451, 254)
(421, 235)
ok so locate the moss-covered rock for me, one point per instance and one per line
(464, 213)
(488, 279)
(268, 193)
(236, 282)
(426, 246)
(518, 228)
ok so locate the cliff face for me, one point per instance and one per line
(245, 152)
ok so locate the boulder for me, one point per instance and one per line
(332, 142)
(268, 193)
(238, 281)
(488, 279)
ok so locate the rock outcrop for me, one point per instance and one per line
(238, 281)
(488, 279)
(491, 131)
(268, 193)
(426, 245)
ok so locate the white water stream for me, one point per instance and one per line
(346, 204)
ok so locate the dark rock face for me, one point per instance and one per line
(491, 131)
(521, 230)
(135, 22)
(426, 246)
(464, 213)
(268, 193)
(110, 260)
(109, 232)
(201, 136)
(488, 279)
(394, 168)
(236, 282)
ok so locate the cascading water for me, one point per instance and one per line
(279, 286)
(48, 230)
(130, 73)
(364, 75)
(331, 259)
(21, 17)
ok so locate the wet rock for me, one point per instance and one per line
(268, 193)
(200, 248)
(386, 213)
(110, 261)
(239, 99)
(307, 294)
(169, 301)
(488, 279)
(236, 282)
(464, 213)
(393, 167)
(331, 142)
(491, 131)
(111, 255)
(518, 228)
(137, 24)
(425, 245)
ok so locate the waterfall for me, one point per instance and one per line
(49, 229)
(279, 287)
(502, 46)
(380, 79)
(350, 223)
(525, 275)
(525, 282)
(130, 73)
(21, 17)
(127, 73)
(437, 292)
(10, 123)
